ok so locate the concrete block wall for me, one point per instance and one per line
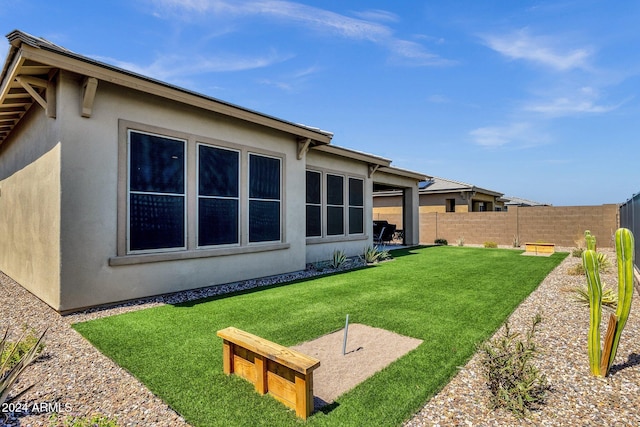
(561, 225)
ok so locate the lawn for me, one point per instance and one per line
(451, 297)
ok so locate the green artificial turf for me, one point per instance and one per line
(450, 297)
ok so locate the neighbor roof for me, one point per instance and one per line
(32, 63)
(443, 185)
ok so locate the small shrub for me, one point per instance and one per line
(515, 383)
(460, 241)
(11, 368)
(373, 254)
(338, 259)
(93, 421)
(442, 242)
(516, 241)
(577, 252)
(490, 245)
(576, 270)
(581, 296)
(14, 351)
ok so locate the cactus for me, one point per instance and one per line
(624, 255)
(591, 267)
(590, 240)
(601, 359)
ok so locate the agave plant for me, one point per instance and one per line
(338, 259)
(10, 369)
(373, 254)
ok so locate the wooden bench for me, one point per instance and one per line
(284, 373)
(540, 248)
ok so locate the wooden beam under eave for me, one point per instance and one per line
(89, 87)
(303, 147)
(25, 82)
(373, 169)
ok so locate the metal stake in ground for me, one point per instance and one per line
(346, 330)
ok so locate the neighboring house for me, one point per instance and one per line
(510, 201)
(115, 186)
(438, 195)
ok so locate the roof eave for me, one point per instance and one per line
(55, 56)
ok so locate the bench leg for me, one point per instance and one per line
(227, 357)
(304, 395)
(261, 374)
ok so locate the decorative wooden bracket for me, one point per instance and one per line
(303, 147)
(373, 169)
(89, 88)
(28, 82)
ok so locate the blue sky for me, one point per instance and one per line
(535, 99)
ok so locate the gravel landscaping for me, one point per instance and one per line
(73, 378)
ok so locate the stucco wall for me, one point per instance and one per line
(90, 193)
(562, 225)
(30, 206)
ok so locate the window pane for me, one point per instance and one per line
(335, 220)
(264, 177)
(156, 222)
(313, 187)
(217, 221)
(264, 221)
(356, 221)
(314, 224)
(335, 190)
(356, 192)
(218, 172)
(157, 164)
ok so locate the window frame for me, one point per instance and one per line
(183, 195)
(124, 256)
(199, 196)
(346, 235)
(250, 199)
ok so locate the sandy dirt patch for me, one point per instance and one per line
(368, 351)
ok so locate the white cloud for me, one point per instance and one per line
(170, 67)
(583, 101)
(542, 50)
(322, 20)
(521, 133)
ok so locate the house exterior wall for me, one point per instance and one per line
(93, 271)
(30, 199)
(322, 248)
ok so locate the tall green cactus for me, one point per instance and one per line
(592, 269)
(624, 255)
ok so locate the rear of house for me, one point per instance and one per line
(115, 186)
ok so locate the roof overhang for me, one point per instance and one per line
(28, 78)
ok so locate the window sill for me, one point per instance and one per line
(334, 239)
(194, 254)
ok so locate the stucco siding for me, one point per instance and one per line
(90, 199)
(30, 206)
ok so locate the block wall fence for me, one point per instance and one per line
(562, 225)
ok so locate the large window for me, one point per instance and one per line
(218, 196)
(356, 206)
(264, 198)
(179, 193)
(335, 205)
(156, 192)
(341, 212)
(314, 203)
